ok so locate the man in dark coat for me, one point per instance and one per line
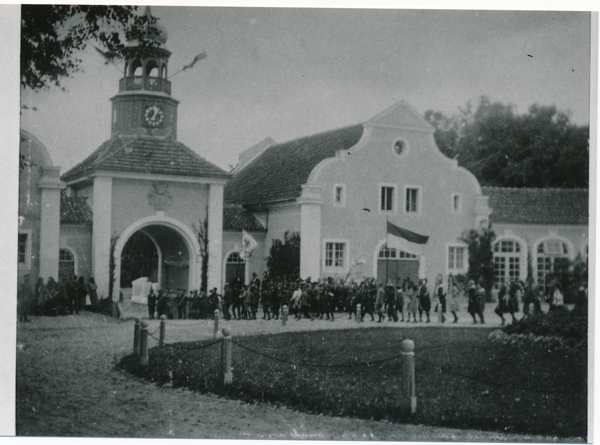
(424, 300)
(151, 304)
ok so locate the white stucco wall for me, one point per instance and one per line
(373, 163)
(130, 202)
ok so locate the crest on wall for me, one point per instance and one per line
(159, 197)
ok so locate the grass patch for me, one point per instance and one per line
(463, 379)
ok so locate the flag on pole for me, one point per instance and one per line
(413, 237)
(249, 245)
(200, 56)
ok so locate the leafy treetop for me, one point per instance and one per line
(539, 149)
(51, 35)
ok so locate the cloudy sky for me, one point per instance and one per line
(287, 73)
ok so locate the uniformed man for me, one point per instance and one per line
(151, 304)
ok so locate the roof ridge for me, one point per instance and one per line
(316, 134)
(193, 153)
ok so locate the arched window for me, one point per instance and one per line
(507, 261)
(235, 258)
(136, 68)
(394, 254)
(66, 264)
(164, 72)
(548, 252)
(152, 69)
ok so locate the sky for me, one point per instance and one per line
(288, 73)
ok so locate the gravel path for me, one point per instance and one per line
(67, 385)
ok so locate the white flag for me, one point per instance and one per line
(249, 244)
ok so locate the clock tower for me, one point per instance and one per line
(144, 105)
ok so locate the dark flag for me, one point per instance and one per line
(406, 234)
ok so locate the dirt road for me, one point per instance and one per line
(67, 385)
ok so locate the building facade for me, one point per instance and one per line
(339, 189)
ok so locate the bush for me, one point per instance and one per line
(557, 323)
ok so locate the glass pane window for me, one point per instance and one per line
(499, 270)
(388, 253)
(64, 255)
(412, 196)
(406, 255)
(456, 258)
(507, 246)
(22, 248)
(387, 199)
(235, 258)
(334, 254)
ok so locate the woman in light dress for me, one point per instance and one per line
(453, 293)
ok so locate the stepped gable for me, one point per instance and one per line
(235, 217)
(145, 154)
(74, 210)
(280, 171)
(550, 206)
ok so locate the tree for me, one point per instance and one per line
(538, 149)
(481, 256)
(202, 231)
(284, 257)
(52, 35)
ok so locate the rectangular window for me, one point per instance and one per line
(22, 248)
(339, 198)
(387, 199)
(456, 204)
(456, 258)
(412, 200)
(334, 254)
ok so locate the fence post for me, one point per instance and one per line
(358, 312)
(216, 329)
(136, 337)
(161, 340)
(144, 344)
(408, 403)
(284, 315)
(226, 357)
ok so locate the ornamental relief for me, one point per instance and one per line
(159, 197)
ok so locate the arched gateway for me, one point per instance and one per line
(146, 188)
(178, 259)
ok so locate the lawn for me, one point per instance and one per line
(463, 379)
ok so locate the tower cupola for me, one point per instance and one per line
(144, 104)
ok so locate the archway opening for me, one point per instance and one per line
(155, 254)
(395, 266)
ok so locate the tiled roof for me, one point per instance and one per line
(145, 154)
(235, 217)
(279, 172)
(538, 206)
(74, 210)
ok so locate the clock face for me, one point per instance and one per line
(154, 115)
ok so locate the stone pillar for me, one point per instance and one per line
(215, 235)
(310, 231)
(101, 233)
(50, 185)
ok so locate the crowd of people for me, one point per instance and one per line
(310, 299)
(68, 295)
